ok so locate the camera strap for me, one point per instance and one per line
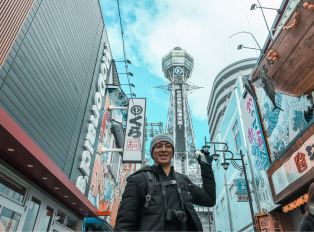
(163, 188)
(177, 185)
(179, 191)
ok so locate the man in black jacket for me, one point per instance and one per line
(173, 193)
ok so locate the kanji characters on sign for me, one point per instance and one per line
(133, 145)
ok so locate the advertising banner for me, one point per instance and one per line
(283, 126)
(241, 186)
(134, 136)
(300, 162)
(257, 151)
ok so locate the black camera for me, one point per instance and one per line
(175, 216)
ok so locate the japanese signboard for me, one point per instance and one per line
(270, 223)
(180, 120)
(242, 198)
(134, 135)
(240, 186)
(300, 162)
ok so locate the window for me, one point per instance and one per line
(236, 135)
(32, 215)
(217, 210)
(12, 189)
(9, 220)
(45, 223)
(71, 223)
(232, 190)
(222, 203)
(60, 217)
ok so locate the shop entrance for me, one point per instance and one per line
(23, 208)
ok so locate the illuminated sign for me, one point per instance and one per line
(89, 141)
(134, 136)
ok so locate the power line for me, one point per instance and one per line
(126, 65)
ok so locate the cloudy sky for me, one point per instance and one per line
(152, 28)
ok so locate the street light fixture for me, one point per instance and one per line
(132, 94)
(206, 148)
(132, 85)
(225, 165)
(241, 47)
(259, 6)
(128, 73)
(255, 6)
(127, 61)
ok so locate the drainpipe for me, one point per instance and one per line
(247, 151)
(227, 195)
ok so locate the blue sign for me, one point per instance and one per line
(240, 186)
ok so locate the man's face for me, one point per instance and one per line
(162, 153)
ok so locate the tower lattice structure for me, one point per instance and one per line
(177, 66)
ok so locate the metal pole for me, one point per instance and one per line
(248, 192)
(210, 229)
(270, 34)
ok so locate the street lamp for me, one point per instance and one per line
(132, 85)
(225, 165)
(132, 94)
(125, 61)
(206, 149)
(255, 6)
(128, 73)
(241, 47)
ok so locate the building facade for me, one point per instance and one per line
(229, 214)
(57, 81)
(223, 82)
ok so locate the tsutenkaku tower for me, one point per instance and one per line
(177, 66)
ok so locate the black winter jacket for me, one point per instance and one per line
(307, 223)
(132, 216)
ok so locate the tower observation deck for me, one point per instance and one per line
(177, 66)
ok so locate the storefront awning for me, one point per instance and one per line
(30, 160)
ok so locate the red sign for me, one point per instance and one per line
(242, 198)
(300, 162)
(133, 145)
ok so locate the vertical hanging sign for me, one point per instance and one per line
(134, 134)
(180, 124)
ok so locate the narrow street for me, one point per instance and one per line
(156, 115)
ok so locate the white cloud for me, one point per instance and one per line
(157, 100)
(201, 27)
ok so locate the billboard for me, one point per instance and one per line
(134, 136)
(258, 151)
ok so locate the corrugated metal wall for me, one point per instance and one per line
(12, 16)
(46, 79)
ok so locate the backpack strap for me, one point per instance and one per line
(179, 190)
(150, 180)
(182, 180)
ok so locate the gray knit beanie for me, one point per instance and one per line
(160, 138)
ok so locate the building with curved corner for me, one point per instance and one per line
(223, 82)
